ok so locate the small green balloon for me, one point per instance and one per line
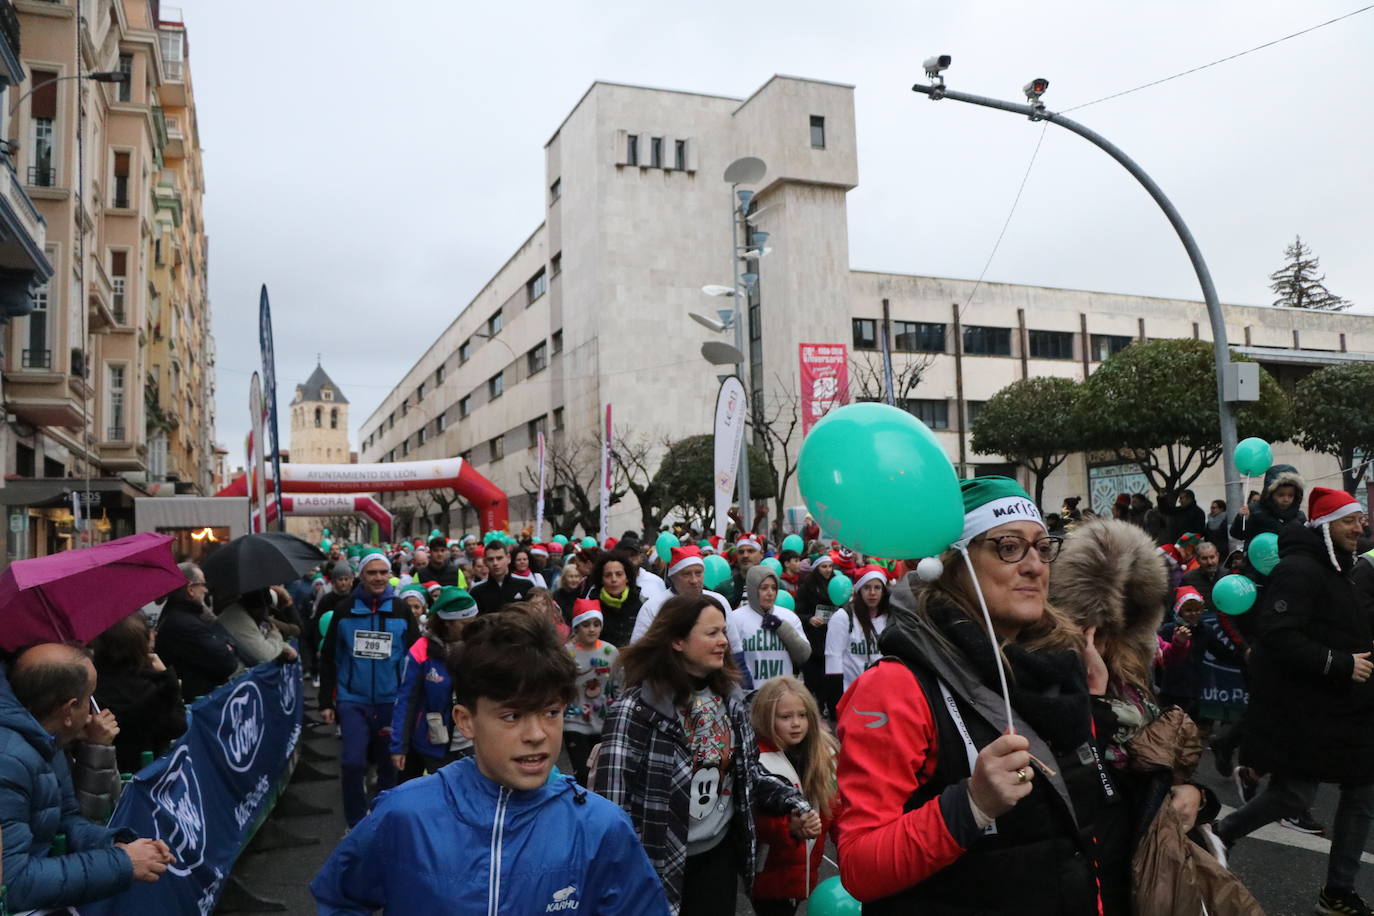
(664, 546)
(1253, 456)
(326, 532)
(1234, 594)
(717, 571)
(839, 589)
(773, 564)
(560, 539)
(589, 541)
(831, 899)
(1263, 552)
(794, 542)
(786, 600)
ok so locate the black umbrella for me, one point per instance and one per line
(258, 560)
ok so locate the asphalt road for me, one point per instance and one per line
(1284, 869)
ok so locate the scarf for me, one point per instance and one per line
(1049, 688)
(611, 601)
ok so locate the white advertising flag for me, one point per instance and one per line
(729, 439)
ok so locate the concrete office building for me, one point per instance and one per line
(593, 307)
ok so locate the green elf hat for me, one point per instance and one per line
(417, 590)
(454, 603)
(991, 501)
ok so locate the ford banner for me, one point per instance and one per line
(207, 796)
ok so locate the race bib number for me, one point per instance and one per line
(371, 644)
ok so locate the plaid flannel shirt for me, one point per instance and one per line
(644, 766)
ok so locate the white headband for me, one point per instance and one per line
(998, 512)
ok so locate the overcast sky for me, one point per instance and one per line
(374, 164)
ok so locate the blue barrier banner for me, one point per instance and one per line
(206, 796)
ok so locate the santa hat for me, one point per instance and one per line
(610, 543)
(870, 574)
(585, 609)
(1326, 505)
(752, 539)
(1171, 554)
(432, 587)
(843, 558)
(479, 551)
(685, 558)
(1186, 594)
(539, 550)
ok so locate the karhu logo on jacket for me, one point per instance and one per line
(563, 900)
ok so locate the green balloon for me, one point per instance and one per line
(1253, 456)
(589, 541)
(878, 480)
(794, 542)
(1263, 552)
(1234, 594)
(664, 546)
(831, 899)
(839, 589)
(786, 600)
(773, 564)
(717, 571)
(326, 532)
(326, 544)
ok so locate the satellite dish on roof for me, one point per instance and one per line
(749, 170)
(718, 353)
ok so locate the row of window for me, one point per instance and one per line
(934, 412)
(980, 340)
(654, 155)
(496, 446)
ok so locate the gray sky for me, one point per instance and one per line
(374, 164)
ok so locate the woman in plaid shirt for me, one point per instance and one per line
(679, 755)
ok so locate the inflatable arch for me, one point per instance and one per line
(323, 504)
(490, 501)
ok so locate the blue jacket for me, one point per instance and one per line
(37, 802)
(425, 687)
(350, 672)
(457, 843)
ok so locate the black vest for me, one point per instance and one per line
(1038, 863)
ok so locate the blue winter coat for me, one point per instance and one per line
(348, 673)
(37, 802)
(425, 687)
(457, 843)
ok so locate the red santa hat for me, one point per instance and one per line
(585, 609)
(539, 550)
(610, 543)
(685, 558)
(1171, 554)
(870, 574)
(1185, 595)
(747, 538)
(1326, 505)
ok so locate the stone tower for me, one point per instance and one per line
(319, 435)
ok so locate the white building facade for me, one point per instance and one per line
(592, 309)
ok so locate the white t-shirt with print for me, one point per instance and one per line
(847, 652)
(764, 654)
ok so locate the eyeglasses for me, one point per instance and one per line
(1012, 548)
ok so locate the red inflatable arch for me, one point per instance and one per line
(318, 504)
(490, 501)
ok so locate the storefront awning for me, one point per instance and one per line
(53, 492)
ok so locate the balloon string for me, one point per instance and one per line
(992, 637)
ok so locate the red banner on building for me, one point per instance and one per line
(824, 381)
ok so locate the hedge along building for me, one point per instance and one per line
(592, 308)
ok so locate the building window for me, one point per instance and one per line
(405, 446)
(817, 132)
(464, 407)
(38, 355)
(555, 190)
(115, 394)
(865, 334)
(496, 386)
(171, 54)
(465, 351)
(1051, 344)
(632, 149)
(558, 419)
(918, 337)
(971, 410)
(680, 154)
(43, 111)
(119, 279)
(422, 436)
(420, 393)
(319, 417)
(326, 394)
(498, 447)
(535, 428)
(537, 286)
(124, 92)
(439, 376)
(984, 341)
(121, 181)
(405, 408)
(557, 342)
(656, 152)
(494, 324)
(441, 423)
(333, 418)
(556, 264)
(933, 413)
(537, 360)
(1107, 345)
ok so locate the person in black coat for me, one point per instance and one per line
(202, 654)
(1182, 515)
(499, 588)
(612, 582)
(1280, 504)
(142, 692)
(1311, 714)
(814, 609)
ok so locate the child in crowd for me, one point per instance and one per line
(795, 747)
(422, 734)
(598, 684)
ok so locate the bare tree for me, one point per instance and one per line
(867, 380)
(445, 498)
(778, 432)
(636, 465)
(572, 466)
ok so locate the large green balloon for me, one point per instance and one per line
(786, 600)
(878, 480)
(1234, 594)
(794, 542)
(773, 564)
(1263, 552)
(560, 539)
(589, 541)
(831, 899)
(664, 546)
(1253, 456)
(717, 571)
(839, 589)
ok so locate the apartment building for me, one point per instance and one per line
(106, 380)
(593, 308)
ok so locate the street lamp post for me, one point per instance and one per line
(1036, 111)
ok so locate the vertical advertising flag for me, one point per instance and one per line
(269, 377)
(606, 480)
(257, 465)
(539, 501)
(730, 411)
(824, 381)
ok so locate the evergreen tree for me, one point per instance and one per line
(1298, 284)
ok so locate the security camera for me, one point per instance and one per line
(1035, 88)
(935, 64)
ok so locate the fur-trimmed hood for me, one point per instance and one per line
(1280, 475)
(1110, 576)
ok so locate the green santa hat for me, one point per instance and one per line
(454, 603)
(991, 501)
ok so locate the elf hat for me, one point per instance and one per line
(454, 603)
(685, 558)
(1326, 505)
(991, 501)
(585, 609)
(417, 590)
(870, 574)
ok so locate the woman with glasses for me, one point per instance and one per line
(944, 809)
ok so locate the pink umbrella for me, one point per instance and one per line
(78, 594)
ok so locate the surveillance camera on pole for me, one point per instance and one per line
(934, 66)
(1035, 88)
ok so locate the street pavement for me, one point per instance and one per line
(1283, 868)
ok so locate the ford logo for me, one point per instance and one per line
(178, 815)
(241, 726)
(290, 687)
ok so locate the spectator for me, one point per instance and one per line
(1140, 505)
(438, 568)
(141, 691)
(1207, 572)
(47, 711)
(499, 588)
(521, 568)
(1182, 515)
(814, 609)
(772, 639)
(248, 622)
(748, 554)
(1216, 526)
(568, 590)
(598, 686)
(613, 583)
(190, 643)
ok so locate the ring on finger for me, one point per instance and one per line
(1022, 775)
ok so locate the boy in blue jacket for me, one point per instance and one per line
(492, 833)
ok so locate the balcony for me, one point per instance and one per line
(36, 359)
(115, 434)
(40, 393)
(42, 176)
(168, 198)
(10, 67)
(176, 140)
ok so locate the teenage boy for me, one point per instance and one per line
(492, 833)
